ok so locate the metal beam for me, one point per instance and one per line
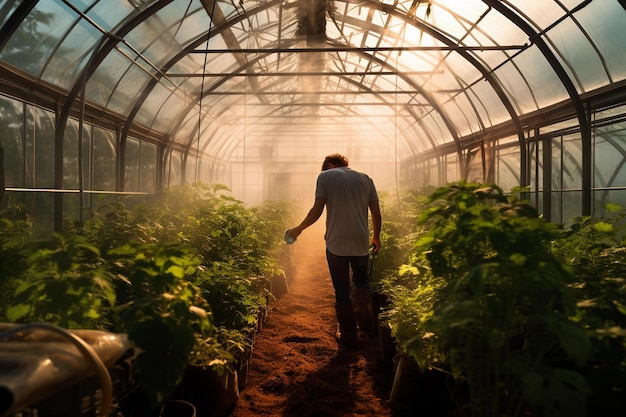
(322, 93)
(361, 49)
(301, 74)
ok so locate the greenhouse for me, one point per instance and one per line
(153, 153)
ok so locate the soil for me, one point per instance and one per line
(297, 367)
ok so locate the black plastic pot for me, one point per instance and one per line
(212, 394)
(428, 393)
(177, 408)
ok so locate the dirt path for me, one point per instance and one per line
(297, 368)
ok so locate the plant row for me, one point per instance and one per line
(186, 276)
(522, 317)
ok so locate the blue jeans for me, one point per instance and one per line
(339, 267)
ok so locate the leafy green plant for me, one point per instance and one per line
(399, 232)
(16, 233)
(235, 298)
(274, 217)
(184, 274)
(115, 224)
(503, 318)
(412, 297)
(64, 285)
(595, 248)
(228, 232)
(165, 314)
(220, 352)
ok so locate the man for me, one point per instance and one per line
(347, 195)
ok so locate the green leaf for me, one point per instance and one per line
(620, 307)
(123, 250)
(613, 207)
(565, 394)
(17, 311)
(575, 342)
(518, 259)
(603, 227)
(176, 270)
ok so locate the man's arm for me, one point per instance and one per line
(377, 221)
(314, 214)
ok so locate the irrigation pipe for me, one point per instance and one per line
(88, 353)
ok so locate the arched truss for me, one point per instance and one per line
(458, 76)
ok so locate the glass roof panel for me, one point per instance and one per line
(455, 18)
(411, 74)
(461, 112)
(187, 128)
(487, 98)
(404, 148)
(467, 10)
(145, 49)
(541, 78)
(438, 131)
(501, 30)
(108, 14)
(37, 37)
(521, 95)
(186, 73)
(156, 37)
(184, 25)
(578, 56)
(74, 51)
(117, 81)
(228, 8)
(612, 15)
(539, 13)
(163, 108)
(7, 7)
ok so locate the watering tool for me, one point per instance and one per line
(288, 239)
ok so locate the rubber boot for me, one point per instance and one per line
(360, 302)
(346, 332)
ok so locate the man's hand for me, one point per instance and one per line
(311, 217)
(293, 233)
(375, 245)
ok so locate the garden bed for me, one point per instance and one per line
(297, 367)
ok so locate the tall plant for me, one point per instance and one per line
(399, 232)
(164, 314)
(16, 233)
(503, 320)
(151, 271)
(595, 247)
(65, 284)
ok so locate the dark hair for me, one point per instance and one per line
(336, 159)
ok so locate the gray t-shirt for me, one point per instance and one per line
(348, 194)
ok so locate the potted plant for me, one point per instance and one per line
(162, 312)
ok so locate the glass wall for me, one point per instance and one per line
(609, 155)
(28, 135)
(554, 166)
